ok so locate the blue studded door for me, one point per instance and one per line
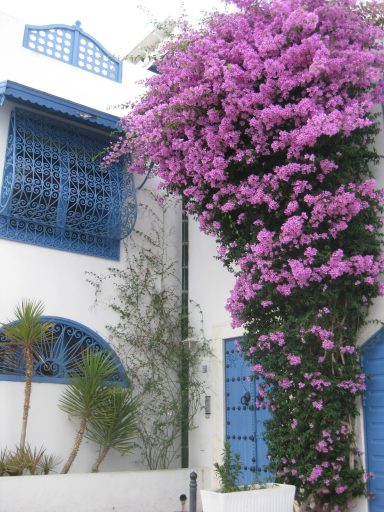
(373, 365)
(244, 423)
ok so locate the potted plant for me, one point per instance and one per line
(231, 497)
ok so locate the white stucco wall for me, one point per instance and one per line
(58, 278)
(376, 312)
(209, 286)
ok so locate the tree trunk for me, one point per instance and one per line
(76, 446)
(102, 454)
(27, 393)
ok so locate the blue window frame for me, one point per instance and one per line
(56, 358)
(56, 194)
(73, 46)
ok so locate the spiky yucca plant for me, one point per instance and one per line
(27, 460)
(23, 460)
(4, 454)
(48, 463)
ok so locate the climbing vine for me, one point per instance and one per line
(148, 336)
(262, 120)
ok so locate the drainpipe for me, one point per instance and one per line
(184, 366)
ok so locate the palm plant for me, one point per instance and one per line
(25, 332)
(85, 397)
(116, 426)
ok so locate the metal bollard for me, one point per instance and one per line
(192, 491)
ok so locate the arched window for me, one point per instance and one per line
(56, 358)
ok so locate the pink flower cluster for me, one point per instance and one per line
(227, 95)
(236, 122)
(260, 268)
(261, 82)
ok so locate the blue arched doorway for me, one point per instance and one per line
(373, 365)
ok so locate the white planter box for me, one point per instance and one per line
(125, 491)
(274, 498)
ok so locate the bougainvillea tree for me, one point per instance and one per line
(262, 120)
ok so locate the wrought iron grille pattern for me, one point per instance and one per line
(56, 194)
(56, 358)
(73, 46)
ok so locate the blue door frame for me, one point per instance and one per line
(244, 423)
(373, 403)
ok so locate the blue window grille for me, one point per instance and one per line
(56, 358)
(56, 194)
(73, 46)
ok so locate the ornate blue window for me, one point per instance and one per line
(73, 46)
(56, 194)
(57, 357)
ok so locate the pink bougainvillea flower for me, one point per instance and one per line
(261, 120)
(318, 404)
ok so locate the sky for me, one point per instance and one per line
(119, 25)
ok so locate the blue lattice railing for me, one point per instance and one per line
(56, 194)
(57, 357)
(73, 46)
